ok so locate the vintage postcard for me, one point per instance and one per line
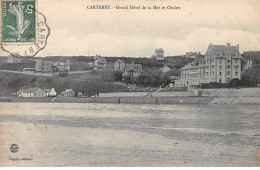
(136, 83)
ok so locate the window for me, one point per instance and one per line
(220, 61)
(236, 73)
(220, 80)
(228, 66)
(236, 60)
(220, 67)
(220, 73)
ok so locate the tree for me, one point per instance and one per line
(118, 75)
(152, 79)
(234, 83)
(174, 73)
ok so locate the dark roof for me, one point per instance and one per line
(134, 67)
(47, 90)
(220, 50)
(68, 90)
(199, 58)
(119, 61)
(30, 90)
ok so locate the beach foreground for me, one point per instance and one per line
(54, 134)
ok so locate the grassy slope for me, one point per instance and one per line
(11, 83)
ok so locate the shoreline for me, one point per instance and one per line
(245, 100)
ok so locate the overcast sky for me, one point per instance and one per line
(76, 30)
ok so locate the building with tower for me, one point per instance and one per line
(159, 55)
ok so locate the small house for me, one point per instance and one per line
(31, 92)
(99, 62)
(13, 59)
(68, 93)
(119, 65)
(248, 64)
(80, 94)
(132, 70)
(165, 69)
(50, 92)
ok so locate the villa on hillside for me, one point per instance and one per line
(132, 70)
(31, 92)
(50, 66)
(13, 59)
(248, 64)
(220, 64)
(192, 55)
(119, 65)
(159, 55)
(99, 62)
(165, 69)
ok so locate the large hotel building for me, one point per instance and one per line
(220, 64)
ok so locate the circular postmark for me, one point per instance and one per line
(14, 148)
(23, 32)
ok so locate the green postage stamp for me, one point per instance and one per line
(18, 21)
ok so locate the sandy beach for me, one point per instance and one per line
(84, 135)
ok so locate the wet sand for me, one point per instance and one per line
(102, 135)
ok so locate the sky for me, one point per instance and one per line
(76, 30)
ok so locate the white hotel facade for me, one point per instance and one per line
(221, 64)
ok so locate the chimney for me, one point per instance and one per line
(238, 47)
(228, 44)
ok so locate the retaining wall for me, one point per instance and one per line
(250, 92)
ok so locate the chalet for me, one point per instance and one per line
(99, 62)
(50, 66)
(31, 92)
(13, 59)
(132, 70)
(68, 93)
(119, 65)
(165, 69)
(248, 64)
(50, 92)
(80, 94)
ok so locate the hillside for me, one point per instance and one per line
(252, 55)
(11, 83)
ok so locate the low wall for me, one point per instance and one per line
(124, 94)
(170, 94)
(5, 99)
(143, 94)
(250, 92)
(139, 100)
(184, 100)
(85, 100)
(236, 100)
(31, 99)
